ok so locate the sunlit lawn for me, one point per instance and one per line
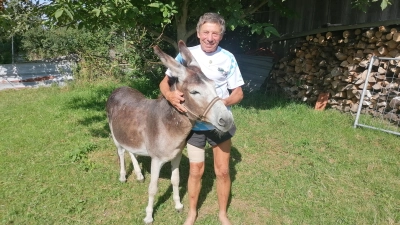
(290, 165)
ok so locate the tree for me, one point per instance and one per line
(169, 20)
(365, 4)
(16, 17)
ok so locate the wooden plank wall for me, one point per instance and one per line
(315, 15)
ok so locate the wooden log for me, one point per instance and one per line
(341, 94)
(368, 51)
(350, 60)
(300, 54)
(347, 34)
(389, 36)
(352, 67)
(373, 39)
(383, 50)
(393, 53)
(383, 29)
(369, 33)
(337, 71)
(364, 63)
(391, 44)
(378, 34)
(396, 37)
(377, 86)
(341, 56)
(344, 63)
(361, 45)
(328, 35)
(321, 40)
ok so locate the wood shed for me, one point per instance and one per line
(327, 50)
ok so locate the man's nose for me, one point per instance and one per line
(210, 37)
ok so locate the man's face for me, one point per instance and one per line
(210, 35)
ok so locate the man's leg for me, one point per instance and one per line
(221, 166)
(196, 158)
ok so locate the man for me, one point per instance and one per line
(219, 65)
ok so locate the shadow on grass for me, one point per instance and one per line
(264, 100)
(207, 181)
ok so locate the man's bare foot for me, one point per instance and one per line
(191, 218)
(224, 219)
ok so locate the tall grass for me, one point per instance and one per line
(290, 164)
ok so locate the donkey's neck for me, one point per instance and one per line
(174, 119)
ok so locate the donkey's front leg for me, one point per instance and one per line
(175, 181)
(156, 165)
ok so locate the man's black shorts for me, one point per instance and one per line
(214, 137)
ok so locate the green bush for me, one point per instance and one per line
(125, 55)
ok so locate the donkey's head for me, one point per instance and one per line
(201, 98)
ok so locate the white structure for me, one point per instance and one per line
(35, 74)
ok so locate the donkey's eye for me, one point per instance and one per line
(194, 92)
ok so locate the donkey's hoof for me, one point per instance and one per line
(140, 178)
(179, 209)
(122, 179)
(148, 220)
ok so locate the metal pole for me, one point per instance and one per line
(12, 49)
(364, 89)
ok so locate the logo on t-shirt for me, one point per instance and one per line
(223, 72)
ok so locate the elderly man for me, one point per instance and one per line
(220, 66)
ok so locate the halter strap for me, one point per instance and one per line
(202, 117)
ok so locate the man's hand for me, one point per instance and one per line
(176, 99)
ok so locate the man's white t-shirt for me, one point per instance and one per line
(219, 66)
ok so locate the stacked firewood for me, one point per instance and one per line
(337, 63)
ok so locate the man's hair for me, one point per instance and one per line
(211, 18)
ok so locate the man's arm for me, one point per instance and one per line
(235, 97)
(173, 97)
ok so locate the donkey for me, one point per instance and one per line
(153, 127)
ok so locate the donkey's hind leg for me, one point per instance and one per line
(136, 168)
(122, 172)
(175, 182)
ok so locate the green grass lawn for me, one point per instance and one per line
(290, 165)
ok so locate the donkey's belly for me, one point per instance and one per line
(167, 148)
(137, 151)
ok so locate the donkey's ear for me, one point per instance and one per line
(177, 69)
(186, 55)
